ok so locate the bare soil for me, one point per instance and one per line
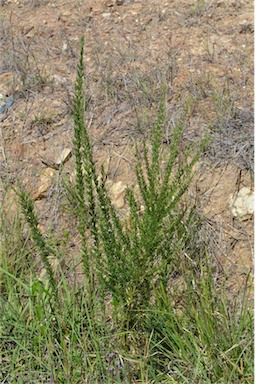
(200, 52)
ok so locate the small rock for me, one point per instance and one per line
(58, 79)
(63, 157)
(64, 47)
(43, 184)
(117, 192)
(106, 14)
(48, 158)
(118, 188)
(109, 3)
(120, 203)
(242, 204)
(66, 14)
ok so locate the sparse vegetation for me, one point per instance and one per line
(149, 309)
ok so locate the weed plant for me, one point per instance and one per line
(130, 321)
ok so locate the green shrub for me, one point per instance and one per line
(154, 330)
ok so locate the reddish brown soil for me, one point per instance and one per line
(199, 50)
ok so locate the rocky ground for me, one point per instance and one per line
(199, 51)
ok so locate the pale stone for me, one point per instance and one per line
(117, 192)
(43, 184)
(120, 203)
(109, 3)
(118, 188)
(64, 47)
(64, 156)
(242, 204)
(106, 14)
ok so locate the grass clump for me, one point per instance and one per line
(130, 321)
